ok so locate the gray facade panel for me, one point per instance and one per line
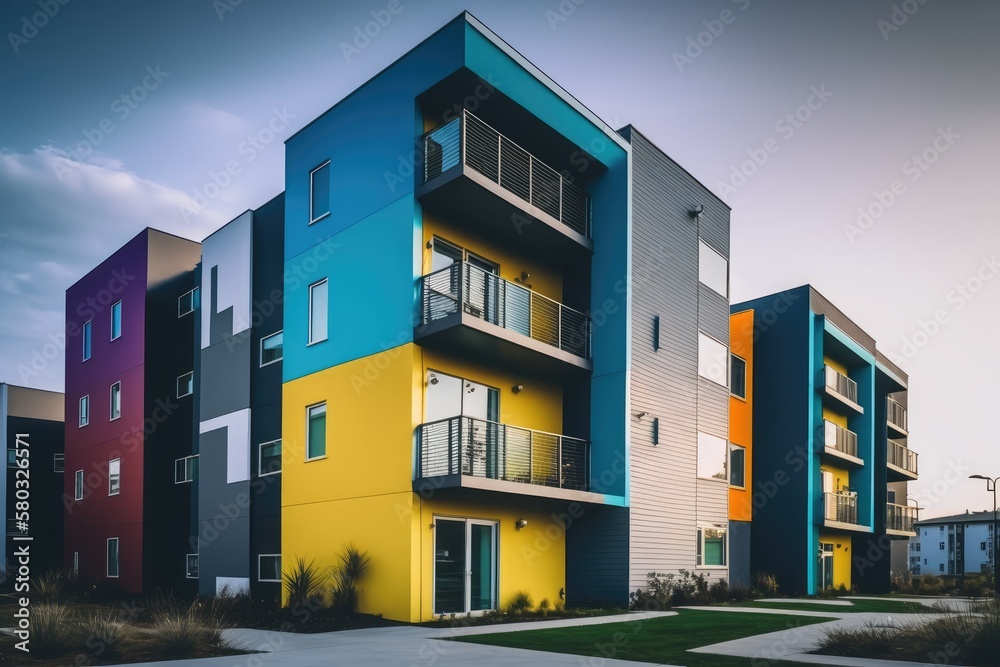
(223, 515)
(739, 553)
(713, 314)
(225, 378)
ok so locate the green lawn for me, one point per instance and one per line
(857, 606)
(658, 640)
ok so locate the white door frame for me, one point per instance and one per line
(467, 579)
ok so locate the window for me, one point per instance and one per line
(982, 546)
(78, 485)
(711, 547)
(713, 269)
(319, 192)
(925, 561)
(191, 566)
(711, 457)
(11, 458)
(84, 410)
(940, 567)
(318, 293)
(737, 466)
(316, 431)
(188, 302)
(737, 376)
(116, 400)
(116, 320)
(918, 546)
(890, 497)
(114, 476)
(713, 358)
(113, 557)
(185, 469)
(940, 546)
(58, 463)
(76, 563)
(269, 567)
(185, 385)
(271, 348)
(86, 339)
(269, 461)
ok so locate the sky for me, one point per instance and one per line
(855, 140)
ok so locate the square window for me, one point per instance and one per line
(116, 321)
(271, 348)
(712, 454)
(316, 431)
(713, 269)
(113, 557)
(188, 302)
(114, 477)
(712, 547)
(78, 485)
(713, 360)
(269, 462)
(269, 567)
(737, 376)
(185, 385)
(87, 326)
(58, 463)
(191, 566)
(116, 400)
(84, 417)
(318, 311)
(11, 458)
(319, 192)
(737, 466)
(185, 469)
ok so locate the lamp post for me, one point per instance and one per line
(991, 485)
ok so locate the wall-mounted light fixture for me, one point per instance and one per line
(517, 388)
(640, 415)
(520, 523)
(432, 379)
(696, 211)
(430, 244)
(523, 279)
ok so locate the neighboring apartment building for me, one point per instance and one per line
(130, 330)
(506, 335)
(957, 545)
(31, 427)
(238, 461)
(831, 461)
(741, 489)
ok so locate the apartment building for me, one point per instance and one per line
(831, 460)
(506, 342)
(31, 427)
(129, 405)
(960, 544)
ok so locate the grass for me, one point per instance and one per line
(658, 640)
(857, 606)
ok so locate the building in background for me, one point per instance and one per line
(31, 426)
(961, 544)
(238, 461)
(741, 502)
(129, 405)
(831, 461)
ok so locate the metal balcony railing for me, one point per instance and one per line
(468, 140)
(508, 305)
(841, 507)
(480, 448)
(901, 456)
(895, 414)
(900, 517)
(842, 384)
(839, 438)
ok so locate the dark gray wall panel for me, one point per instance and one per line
(597, 557)
(225, 378)
(739, 553)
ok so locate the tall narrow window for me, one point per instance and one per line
(58, 463)
(76, 563)
(737, 376)
(116, 400)
(114, 477)
(188, 302)
(87, 329)
(271, 348)
(113, 557)
(318, 293)
(269, 462)
(319, 192)
(713, 269)
(713, 358)
(185, 385)
(84, 410)
(185, 469)
(737, 466)
(78, 485)
(191, 566)
(116, 320)
(316, 431)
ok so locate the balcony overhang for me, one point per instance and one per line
(897, 430)
(897, 474)
(900, 533)
(834, 398)
(472, 334)
(843, 456)
(840, 525)
(473, 482)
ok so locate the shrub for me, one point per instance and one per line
(544, 606)
(767, 584)
(668, 590)
(49, 586)
(346, 575)
(183, 632)
(520, 604)
(103, 632)
(741, 593)
(719, 591)
(303, 585)
(50, 633)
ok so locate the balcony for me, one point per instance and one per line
(841, 443)
(840, 510)
(470, 168)
(899, 520)
(842, 389)
(464, 307)
(895, 417)
(475, 453)
(902, 462)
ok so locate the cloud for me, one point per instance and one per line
(60, 219)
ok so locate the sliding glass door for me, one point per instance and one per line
(465, 565)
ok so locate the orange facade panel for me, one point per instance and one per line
(741, 413)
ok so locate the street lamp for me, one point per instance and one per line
(991, 485)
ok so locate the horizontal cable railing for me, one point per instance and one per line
(481, 448)
(900, 517)
(901, 456)
(895, 414)
(473, 290)
(841, 507)
(468, 140)
(842, 384)
(839, 438)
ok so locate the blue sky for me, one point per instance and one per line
(856, 141)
